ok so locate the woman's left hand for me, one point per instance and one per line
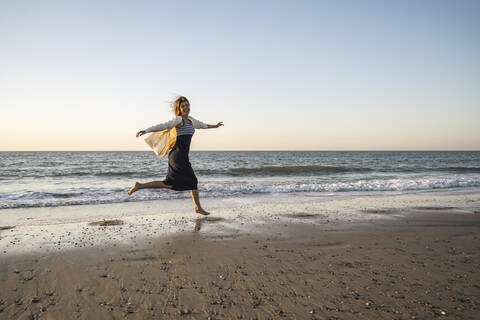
(219, 124)
(140, 133)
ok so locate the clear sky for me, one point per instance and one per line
(282, 75)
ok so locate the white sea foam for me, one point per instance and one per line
(93, 195)
(403, 184)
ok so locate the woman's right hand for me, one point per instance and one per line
(140, 133)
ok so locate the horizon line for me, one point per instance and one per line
(274, 150)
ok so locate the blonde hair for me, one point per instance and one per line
(177, 103)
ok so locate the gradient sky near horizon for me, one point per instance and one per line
(282, 75)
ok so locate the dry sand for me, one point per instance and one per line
(421, 266)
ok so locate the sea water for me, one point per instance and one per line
(52, 179)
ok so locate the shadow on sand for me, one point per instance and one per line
(200, 221)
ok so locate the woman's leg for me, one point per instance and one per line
(196, 201)
(149, 185)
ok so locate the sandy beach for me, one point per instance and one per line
(419, 266)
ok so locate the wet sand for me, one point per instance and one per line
(421, 266)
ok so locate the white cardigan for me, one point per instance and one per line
(164, 135)
(175, 122)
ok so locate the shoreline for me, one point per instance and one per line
(417, 266)
(68, 228)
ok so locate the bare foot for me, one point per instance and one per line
(201, 211)
(134, 188)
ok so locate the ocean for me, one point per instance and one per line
(53, 179)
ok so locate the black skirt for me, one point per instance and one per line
(180, 173)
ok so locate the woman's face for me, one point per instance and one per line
(185, 108)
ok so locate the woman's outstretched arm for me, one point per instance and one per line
(213, 126)
(202, 125)
(160, 127)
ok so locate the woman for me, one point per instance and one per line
(180, 174)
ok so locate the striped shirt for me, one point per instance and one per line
(186, 129)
